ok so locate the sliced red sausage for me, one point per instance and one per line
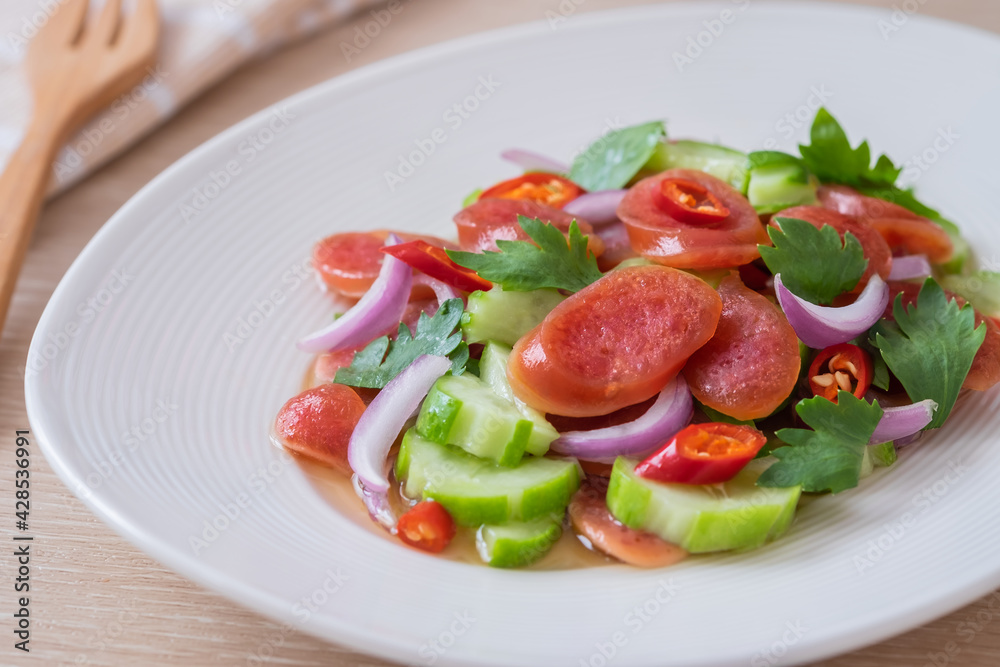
(617, 246)
(906, 232)
(985, 371)
(589, 514)
(659, 236)
(348, 263)
(318, 424)
(875, 248)
(614, 343)
(752, 363)
(847, 200)
(487, 221)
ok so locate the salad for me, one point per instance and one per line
(660, 347)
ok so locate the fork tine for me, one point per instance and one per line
(140, 29)
(64, 25)
(107, 22)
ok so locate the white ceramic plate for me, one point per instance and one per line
(148, 408)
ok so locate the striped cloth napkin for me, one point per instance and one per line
(201, 41)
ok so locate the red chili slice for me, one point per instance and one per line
(434, 262)
(427, 526)
(541, 187)
(690, 202)
(841, 367)
(703, 454)
(667, 239)
(348, 263)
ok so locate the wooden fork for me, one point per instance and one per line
(76, 69)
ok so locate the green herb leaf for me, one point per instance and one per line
(549, 262)
(930, 346)
(828, 457)
(612, 161)
(880, 372)
(382, 359)
(813, 262)
(832, 159)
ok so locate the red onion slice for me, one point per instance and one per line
(385, 417)
(597, 208)
(909, 267)
(377, 504)
(442, 290)
(670, 413)
(822, 326)
(901, 422)
(379, 310)
(530, 161)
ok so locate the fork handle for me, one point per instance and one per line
(22, 189)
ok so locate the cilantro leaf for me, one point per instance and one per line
(828, 457)
(382, 359)
(522, 266)
(930, 346)
(831, 157)
(880, 372)
(813, 262)
(612, 161)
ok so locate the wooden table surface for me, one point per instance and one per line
(97, 599)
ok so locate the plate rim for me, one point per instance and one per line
(838, 640)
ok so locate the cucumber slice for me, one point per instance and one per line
(517, 544)
(780, 185)
(634, 261)
(493, 371)
(884, 454)
(981, 289)
(477, 492)
(961, 256)
(735, 515)
(725, 163)
(472, 198)
(878, 456)
(506, 316)
(464, 411)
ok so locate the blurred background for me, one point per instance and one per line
(105, 602)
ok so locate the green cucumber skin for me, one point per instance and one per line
(724, 163)
(452, 477)
(493, 371)
(632, 502)
(518, 544)
(506, 316)
(501, 434)
(961, 257)
(981, 289)
(773, 188)
(628, 502)
(883, 455)
(437, 415)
